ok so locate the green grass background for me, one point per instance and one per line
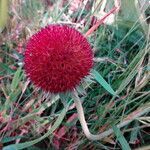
(118, 88)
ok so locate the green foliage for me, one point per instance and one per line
(116, 89)
(121, 139)
(16, 79)
(5, 68)
(9, 139)
(102, 81)
(28, 144)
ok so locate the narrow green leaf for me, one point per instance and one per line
(9, 139)
(134, 133)
(12, 97)
(5, 67)
(102, 81)
(131, 71)
(16, 79)
(121, 139)
(30, 143)
(14, 94)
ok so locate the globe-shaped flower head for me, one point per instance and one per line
(57, 58)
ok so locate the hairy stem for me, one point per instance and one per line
(100, 136)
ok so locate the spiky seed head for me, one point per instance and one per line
(57, 58)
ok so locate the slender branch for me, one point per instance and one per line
(106, 133)
(100, 21)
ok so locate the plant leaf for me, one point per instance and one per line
(121, 139)
(30, 143)
(9, 139)
(102, 81)
(16, 79)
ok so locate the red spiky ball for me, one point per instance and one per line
(57, 58)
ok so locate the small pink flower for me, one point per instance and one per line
(57, 58)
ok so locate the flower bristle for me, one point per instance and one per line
(57, 58)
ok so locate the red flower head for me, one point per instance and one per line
(57, 58)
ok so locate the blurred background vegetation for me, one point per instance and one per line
(29, 119)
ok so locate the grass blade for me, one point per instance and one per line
(10, 139)
(28, 144)
(102, 81)
(16, 79)
(121, 139)
(5, 68)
